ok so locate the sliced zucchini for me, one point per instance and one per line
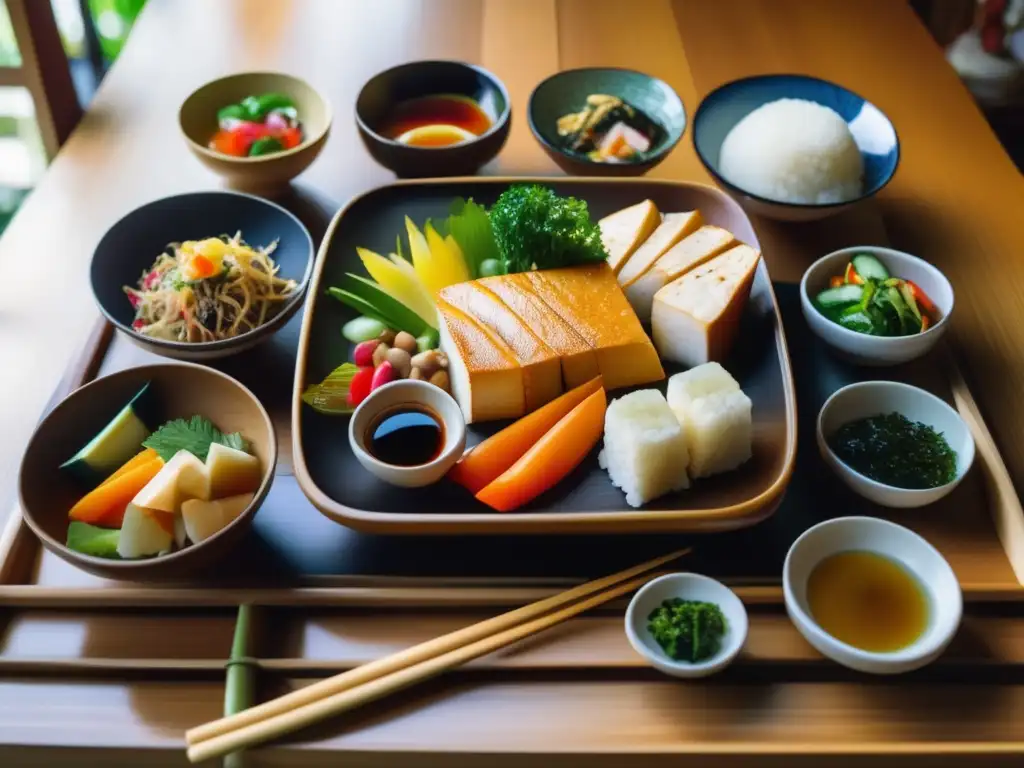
(117, 442)
(869, 267)
(841, 296)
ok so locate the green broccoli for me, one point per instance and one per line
(687, 630)
(534, 227)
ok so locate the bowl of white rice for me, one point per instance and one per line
(793, 147)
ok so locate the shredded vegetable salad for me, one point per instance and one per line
(206, 290)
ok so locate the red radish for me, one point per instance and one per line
(363, 353)
(276, 122)
(384, 374)
(359, 387)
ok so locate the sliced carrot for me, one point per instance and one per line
(925, 322)
(553, 457)
(142, 457)
(835, 281)
(105, 505)
(851, 275)
(485, 461)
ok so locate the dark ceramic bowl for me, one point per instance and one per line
(183, 389)
(728, 104)
(429, 78)
(567, 92)
(198, 121)
(131, 246)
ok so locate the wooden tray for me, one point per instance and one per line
(587, 502)
(134, 666)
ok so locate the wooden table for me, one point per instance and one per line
(957, 200)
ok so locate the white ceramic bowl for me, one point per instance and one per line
(876, 350)
(871, 398)
(394, 395)
(688, 586)
(871, 534)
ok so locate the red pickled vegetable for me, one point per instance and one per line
(359, 387)
(290, 137)
(363, 353)
(835, 281)
(922, 299)
(384, 374)
(230, 143)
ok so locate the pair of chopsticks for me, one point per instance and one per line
(381, 677)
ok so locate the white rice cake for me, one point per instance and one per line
(695, 318)
(719, 432)
(689, 253)
(704, 380)
(644, 447)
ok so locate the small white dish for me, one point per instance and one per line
(872, 398)
(403, 393)
(862, 348)
(871, 534)
(688, 586)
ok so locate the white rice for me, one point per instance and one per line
(793, 151)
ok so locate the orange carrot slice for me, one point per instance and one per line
(553, 457)
(105, 505)
(486, 461)
(142, 457)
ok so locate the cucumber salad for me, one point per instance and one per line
(867, 299)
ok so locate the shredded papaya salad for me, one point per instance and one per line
(207, 290)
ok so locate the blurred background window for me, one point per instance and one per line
(93, 32)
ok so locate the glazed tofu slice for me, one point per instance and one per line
(695, 318)
(542, 371)
(673, 228)
(591, 301)
(689, 253)
(578, 359)
(622, 232)
(486, 380)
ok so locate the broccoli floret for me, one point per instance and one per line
(534, 227)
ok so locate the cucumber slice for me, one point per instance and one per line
(869, 267)
(358, 304)
(397, 316)
(91, 540)
(841, 296)
(117, 442)
(858, 320)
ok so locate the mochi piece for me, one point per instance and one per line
(698, 382)
(644, 447)
(719, 432)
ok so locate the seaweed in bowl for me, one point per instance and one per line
(610, 130)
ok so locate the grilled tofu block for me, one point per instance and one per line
(689, 253)
(486, 379)
(542, 370)
(696, 317)
(622, 232)
(578, 359)
(591, 301)
(673, 228)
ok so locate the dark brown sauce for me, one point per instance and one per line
(406, 436)
(459, 111)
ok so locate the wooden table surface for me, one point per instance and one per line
(956, 200)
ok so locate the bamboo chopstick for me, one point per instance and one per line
(293, 720)
(417, 653)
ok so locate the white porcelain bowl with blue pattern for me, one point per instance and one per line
(725, 106)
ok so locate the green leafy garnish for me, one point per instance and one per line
(687, 630)
(471, 228)
(92, 540)
(330, 396)
(534, 227)
(195, 436)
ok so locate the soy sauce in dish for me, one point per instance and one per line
(406, 436)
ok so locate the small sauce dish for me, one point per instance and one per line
(422, 399)
(899, 544)
(687, 586)
(872, 398)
